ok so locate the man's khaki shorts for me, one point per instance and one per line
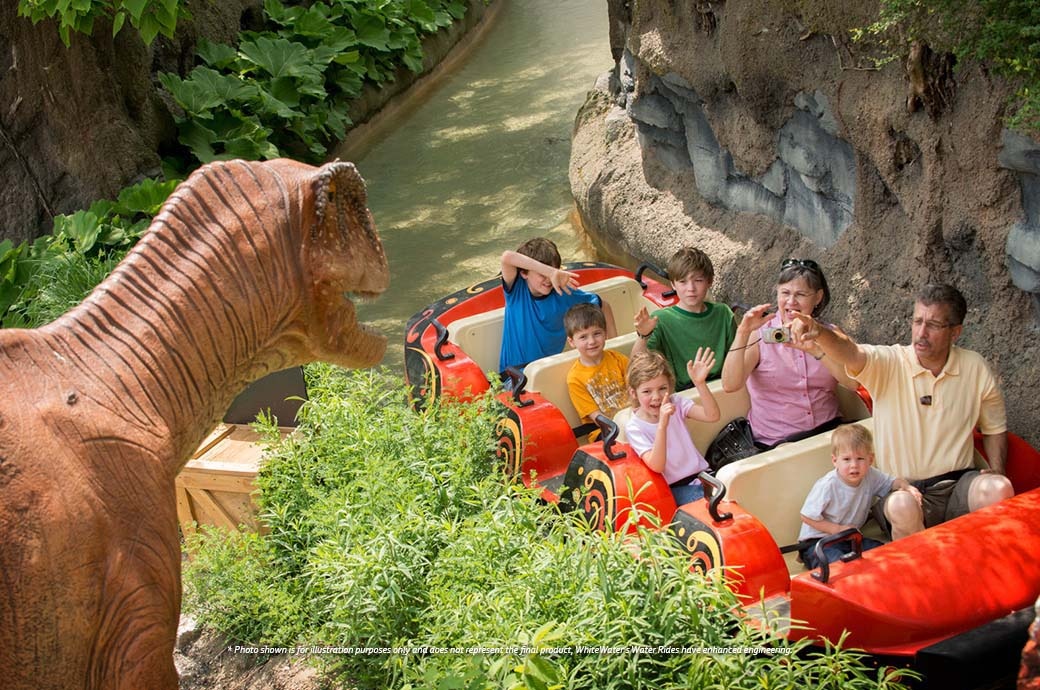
(942, 499)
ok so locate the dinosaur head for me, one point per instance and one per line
(344, 257)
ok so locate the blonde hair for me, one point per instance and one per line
(851, 437)
(645, 366)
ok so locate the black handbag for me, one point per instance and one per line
(734, 442)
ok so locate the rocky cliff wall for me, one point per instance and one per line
(734, 127)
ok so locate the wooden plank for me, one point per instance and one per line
(216, 487)
(209, 512)
(184, 515)
(221, 432)
(239, 506)
(219, 482)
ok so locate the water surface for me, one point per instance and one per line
(481, 165)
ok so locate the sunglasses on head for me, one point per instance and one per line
(804, 263)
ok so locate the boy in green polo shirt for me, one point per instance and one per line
(677, 331)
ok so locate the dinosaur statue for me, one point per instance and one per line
(243, 272)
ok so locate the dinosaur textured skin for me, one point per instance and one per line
(244, 272)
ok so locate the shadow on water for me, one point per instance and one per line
(481, 164)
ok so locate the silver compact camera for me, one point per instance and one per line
(776, 335)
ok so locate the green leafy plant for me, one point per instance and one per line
(390, 527)
(41, 281)
(149, 17)
(286, 90)
(1003, 34)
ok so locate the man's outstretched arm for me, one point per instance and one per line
(838, 346)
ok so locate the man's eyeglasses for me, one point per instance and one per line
(931, 325)
(804, 263)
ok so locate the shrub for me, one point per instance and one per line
(41, 281)
(149, 17)
(1003, 34)
(285, 91)
(391, 527)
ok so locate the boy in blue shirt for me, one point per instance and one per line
(538, 293)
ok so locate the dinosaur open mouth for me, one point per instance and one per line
(348, 341)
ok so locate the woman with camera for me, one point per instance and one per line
(791, 385)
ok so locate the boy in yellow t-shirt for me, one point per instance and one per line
(596, 382)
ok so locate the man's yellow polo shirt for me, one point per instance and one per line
(915, 440)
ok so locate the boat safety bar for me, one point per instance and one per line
(442, 340)
(659, 271)
(610, 432)
(852, 534)
(517, 383)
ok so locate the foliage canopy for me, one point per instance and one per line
(149, 17)
(43, 280)
(392, 528)
(286, 90)
(1002, 34)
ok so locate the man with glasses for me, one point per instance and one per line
(928, 397)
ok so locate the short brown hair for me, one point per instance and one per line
(543, 250)
(810, 271)
(851, 437)
(645, 366)
(689, 260)
(582, 316)
(944, 294)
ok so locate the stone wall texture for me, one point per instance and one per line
(746, 129)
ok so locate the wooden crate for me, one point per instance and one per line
(216, 485)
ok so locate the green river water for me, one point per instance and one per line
(481, 164)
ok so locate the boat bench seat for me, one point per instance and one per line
(548, 375)
(480, 335)
(772, 485)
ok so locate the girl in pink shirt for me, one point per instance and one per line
(657, 428)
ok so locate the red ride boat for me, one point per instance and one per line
(452, 345)
(953, 601)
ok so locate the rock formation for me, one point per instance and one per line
(734, 127)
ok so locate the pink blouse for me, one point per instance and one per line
(790, 392)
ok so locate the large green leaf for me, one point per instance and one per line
(249, 148)
(217, 55)
(225, 88)
(456, 9)
(340, 39)
(82, 227)
(279, 57)
(199, 139)
(136, 8)
(313, 22)
(272, 105)
(146, 197)
(284, 89)
(280, 14)
(422, 14)
(9, 255)
(371, 31)
(189, 94)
